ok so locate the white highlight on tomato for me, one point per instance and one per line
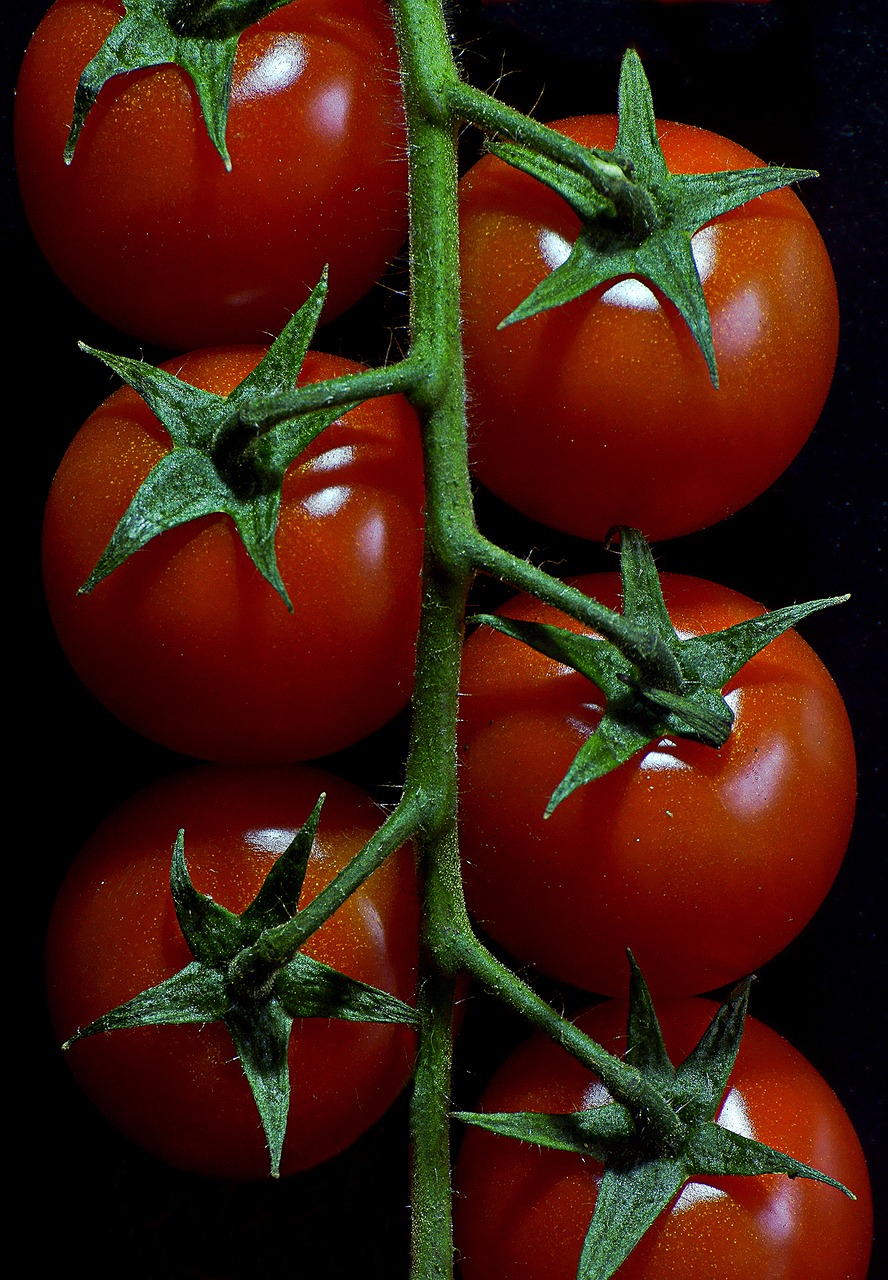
(333, 459)
(371, 538)
(273, 840)
(554, 248)
(326, 502)
(276, 69)
(332, 108)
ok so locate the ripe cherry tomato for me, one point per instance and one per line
(601, 412)
(179, 1091)
(146, 226)
(522, 1212)
(186, 642)
(704, 862)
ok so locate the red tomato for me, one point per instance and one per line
(147, 227)
(522, 1213)
(704, 862)
(601, 412)
(186, 642)
(179, 1091)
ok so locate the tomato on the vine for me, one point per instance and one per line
(704, 862)
(179, 1091)
(522, 1212)
(146, 226)
(601, 412)
(186, 642)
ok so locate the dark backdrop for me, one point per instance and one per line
(800, 82)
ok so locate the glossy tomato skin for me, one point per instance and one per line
(179, 1092)
(601, 412)
(146, 226)
(522, 1213)
(705, 863)
(186, 642)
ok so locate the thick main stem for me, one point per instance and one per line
(427, 73)
(454, 550)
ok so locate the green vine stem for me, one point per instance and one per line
(436, 100)
(608, 174)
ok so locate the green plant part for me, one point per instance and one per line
(199, 36)
(217, 463)
(637, 217)
(248, 972)
(644, 1168)
(650, 700)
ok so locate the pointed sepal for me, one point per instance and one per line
(219, 463)
(715, 1152)
(591, 1133)
(261, 1035)
(306, 988)
(629, 1202)
(717, 657)
(200, 38)
(213, 933)
(701, 1080)
(637, 218)
(645, 1048)
(194, 994)
(247, 974)
(645, 1169)
(654, 683)
(278, 899)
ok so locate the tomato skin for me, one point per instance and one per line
(179, 1092)
(157, 237)
(601, 412)
(705, 863)
(186, 642)
(522, 1213)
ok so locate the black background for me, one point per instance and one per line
(800, 82)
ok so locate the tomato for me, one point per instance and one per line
(179, 1091)
(186, 642)
(522, 1212)
(704, 862)
(147, 227)
(601, 412)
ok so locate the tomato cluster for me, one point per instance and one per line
(706, 862)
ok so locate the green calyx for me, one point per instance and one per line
(247, 973)
(645, 704)
(642, 1173)
(200, 36)
(220, 462)
(637, 218)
